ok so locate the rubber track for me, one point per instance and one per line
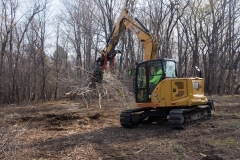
(126, 118)
(181, 118)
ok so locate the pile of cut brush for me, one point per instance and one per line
(109, 88)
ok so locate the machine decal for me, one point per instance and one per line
(137, 30)
(196, 85)
(130, 26)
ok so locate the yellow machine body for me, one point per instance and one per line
(174, 92)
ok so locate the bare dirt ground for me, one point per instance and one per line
(69, 130)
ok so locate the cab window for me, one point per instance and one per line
(170, 69)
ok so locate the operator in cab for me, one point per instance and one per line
(156, 77)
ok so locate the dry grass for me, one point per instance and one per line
(70, 130)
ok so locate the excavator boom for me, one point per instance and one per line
(125, 20)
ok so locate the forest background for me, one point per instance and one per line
(45, 48)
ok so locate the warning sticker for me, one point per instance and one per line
(196, 85)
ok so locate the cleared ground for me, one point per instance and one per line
(69, 130)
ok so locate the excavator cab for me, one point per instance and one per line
(149, 74)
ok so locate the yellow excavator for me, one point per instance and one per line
(159, 93)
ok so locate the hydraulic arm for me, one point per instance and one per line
(125, 20)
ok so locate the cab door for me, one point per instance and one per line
(141, 84)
